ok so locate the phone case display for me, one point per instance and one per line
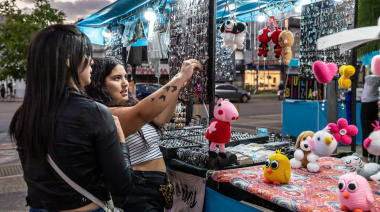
(189, 39)
(318, 20)
(224, 61)
(113, 43)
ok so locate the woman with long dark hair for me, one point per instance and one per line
(139, 121)
(56, 118)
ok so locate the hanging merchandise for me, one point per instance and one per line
(324, 72)
(189, 39)
(241, 29)
(113, 43)
(320, 19)
(224, 62)
(346, 72)
(264, 38)
(228, 30)
(286, 40)
(375, 65)
(277, 49)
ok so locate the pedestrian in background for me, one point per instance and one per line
(2, 91)
(140, 121)
(56, 118)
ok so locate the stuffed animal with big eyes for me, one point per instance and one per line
(264, 38)
(219, 130)
(277, 48)
(228, 30)
(354, 193)
(241, 29)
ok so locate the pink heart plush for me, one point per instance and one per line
(375, 65)
(324, 72)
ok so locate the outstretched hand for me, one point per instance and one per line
(188, 69)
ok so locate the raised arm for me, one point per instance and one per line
(133, 118)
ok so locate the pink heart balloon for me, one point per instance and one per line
(375, 65)
(324, 72)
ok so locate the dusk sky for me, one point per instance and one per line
(74, 9)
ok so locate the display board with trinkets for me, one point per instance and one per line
(320, 19)
(224, 61)
(188, 22)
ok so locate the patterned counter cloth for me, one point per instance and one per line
(305, 191)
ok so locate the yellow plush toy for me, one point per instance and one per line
(277, 169)
(286, 41)
(346, 72)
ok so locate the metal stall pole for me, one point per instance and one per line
(211, 59)
(354, 81)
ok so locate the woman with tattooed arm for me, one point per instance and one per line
(140, 122)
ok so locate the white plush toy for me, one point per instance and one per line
(376, 178)
(372, 143)
(228, 30)
(323, 143)
(241, 29)
(303, 155)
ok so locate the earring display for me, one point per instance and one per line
(188, 22)
(320, 19)
(179, 118)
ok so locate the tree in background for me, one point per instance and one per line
(17, 31)
(368, 14)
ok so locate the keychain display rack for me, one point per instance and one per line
(318, 20)
(224, 61)
(189, 38)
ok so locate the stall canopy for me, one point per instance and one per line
(245, 11)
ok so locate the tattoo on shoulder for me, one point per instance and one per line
(162, 97)
(167, 88)
(152, 99)
(174, 88)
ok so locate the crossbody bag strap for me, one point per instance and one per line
(76, 186)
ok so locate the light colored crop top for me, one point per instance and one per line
(141, 151)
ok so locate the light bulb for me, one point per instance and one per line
(261, 18)
(150, 15)
(298, 8)
(106, 33)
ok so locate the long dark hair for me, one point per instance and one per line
(55, 55)
(97, 90)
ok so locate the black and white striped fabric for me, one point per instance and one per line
(141, 151)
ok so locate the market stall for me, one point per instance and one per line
(211, 31)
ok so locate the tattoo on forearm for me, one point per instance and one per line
(174, 88)
(152, 99)
(167, 88)
(162, 97)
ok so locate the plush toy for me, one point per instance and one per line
(219, 130)
(323, 143)
(375, 65)
(354, 164)
(376, 178)
(277, 169)
(286, 41)
(342, 131)
(277, 48)
(264, 38)
(228, 30)
(241, 29)
(346, 72)
(372, 143)
(354, 193)
(301, 155)
(324, 72)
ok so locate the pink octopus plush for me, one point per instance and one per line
(342, 131)
(354, 193)
(219, 130)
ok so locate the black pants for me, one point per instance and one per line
(368, 116)
(145, 195)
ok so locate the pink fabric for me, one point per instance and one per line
(342, 131)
